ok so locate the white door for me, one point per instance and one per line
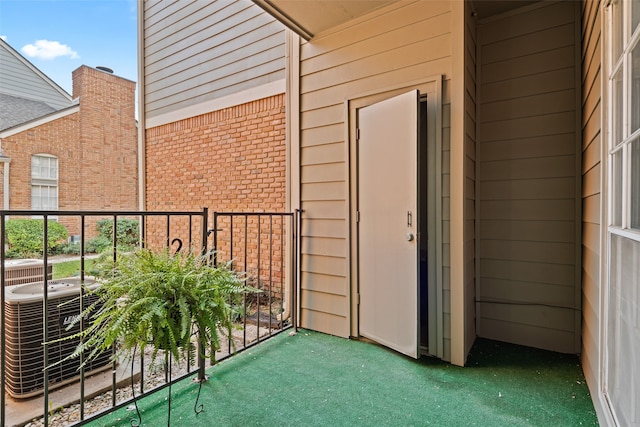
(387, 211)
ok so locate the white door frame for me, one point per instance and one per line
(432, 88)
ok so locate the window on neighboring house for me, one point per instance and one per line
(44, 182)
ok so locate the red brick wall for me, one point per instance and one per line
(96, 150)
(227, 160)
(58, 138)
(231, 159)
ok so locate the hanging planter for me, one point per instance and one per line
(155, 298)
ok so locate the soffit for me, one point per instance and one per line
(310, 17)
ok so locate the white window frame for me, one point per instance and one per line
(630, 41)
(624, 145)
(48, 182)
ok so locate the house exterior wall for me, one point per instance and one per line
(197, 52)
(391, 47)
(96, 149)
(529, 180)
(611, 244)
(592, 201)
(20, 78)
(59, 138)
(214, 115)
(231, 160)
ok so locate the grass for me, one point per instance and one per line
(70, 268)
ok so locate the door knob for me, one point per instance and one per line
(410, 237)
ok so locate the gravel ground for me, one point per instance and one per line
(154, 376)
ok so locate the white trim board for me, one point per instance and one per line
(37, 122)
(253, 94)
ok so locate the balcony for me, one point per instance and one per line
(281, 375)
(34, 316)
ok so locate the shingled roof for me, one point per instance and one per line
(16, 110)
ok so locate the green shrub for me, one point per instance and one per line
(25, 237)
(127, 235)
(71, 248)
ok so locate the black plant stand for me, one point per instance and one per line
(197, 408)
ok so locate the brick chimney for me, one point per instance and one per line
(108, 140)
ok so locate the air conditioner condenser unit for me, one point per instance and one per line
(19, 271)
(24, 336)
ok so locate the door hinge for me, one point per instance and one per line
(357, 134)
(357, 216)
(358, 299)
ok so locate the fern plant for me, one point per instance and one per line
(154, 298)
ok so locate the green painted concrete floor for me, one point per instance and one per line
(312, 379)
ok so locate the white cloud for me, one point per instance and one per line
(45, 49)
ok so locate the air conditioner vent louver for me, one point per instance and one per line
(19, 271)
(24, 335)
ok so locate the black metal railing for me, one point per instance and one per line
(264, 246)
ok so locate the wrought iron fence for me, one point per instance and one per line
(263, 246)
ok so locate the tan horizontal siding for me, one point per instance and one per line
(527, 230)
(551, 188)
(540, 167)
(539, 252)
(469, 204)
(341, 91)
(528, 292)
(324, 191)
(591, 207)
(591, 198)
(323, 283)
(527, 185)
(405, 42)
(529, 44)
(529, 126)
(533, 210)
(333, 132)
(536, 272)
(396, 18)
(558, 59)
(524, 148)
(321, 154)
(524, 333)
(322, 209)
(325, 302)
(324, 246)
(333, 266)
(408, 55)
(541, 18)
(546, 81)
(324, 322)
(323, 116)
(332, 172)
(324, 228)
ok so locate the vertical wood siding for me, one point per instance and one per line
(197, 51)
(18, 79)
(528, 202)
(591, 190)
(399, 44)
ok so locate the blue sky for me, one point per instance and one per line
(58, 36)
